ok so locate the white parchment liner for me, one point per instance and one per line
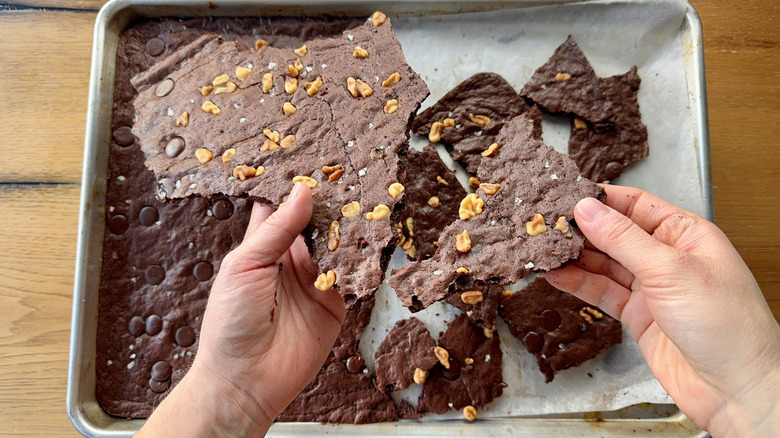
(445, 50)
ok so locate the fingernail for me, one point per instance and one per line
(296, 191)
(591, 209)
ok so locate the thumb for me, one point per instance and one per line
(267, 243)
(619, 237)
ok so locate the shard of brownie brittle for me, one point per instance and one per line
(602, 155)
(515, 223)
(474, 374)
(431, 198)
(479, 302)
(342, 391)
(405, 356)
(561, 330)
(566, 83)
(472, 113)
(333, 117)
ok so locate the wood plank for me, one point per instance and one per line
(37, 254)
(89, 5)
(44, 112)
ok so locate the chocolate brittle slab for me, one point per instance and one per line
(405, 356)
(479, 302)
(561, 330)
(470, 116)
(602, 155)
(515, 223)
(566, 83)
(219, 118)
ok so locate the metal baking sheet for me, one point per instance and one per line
(614, 36)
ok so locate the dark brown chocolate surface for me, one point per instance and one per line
(330, 128)
(483, 94)
(602, 155)
(464, 384)
(534, 179)
(566, 83)
(548, 322)
(428, 216)
(406, 348)
(484, 312)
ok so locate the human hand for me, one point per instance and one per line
(688, 299)
(266, 332)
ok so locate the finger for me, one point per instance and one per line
(594, 289)
(277, 233)
(646, 210)
(597, 262)
(260, 212)
(620, 238)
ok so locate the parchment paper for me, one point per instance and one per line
(445, 50)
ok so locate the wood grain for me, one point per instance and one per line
(45, 97)
(41, 140)
(37, 255)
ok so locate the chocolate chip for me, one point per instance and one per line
(148, 215)
(533, 342)
(185, 336)
(118, 224)
(174, 147)
(612, 170)
(159, 387)
(155, 46)
(550, 320)
(155, 274)
(203, 271)
(136, 326)
(164, 88)
(153, 325)
(355, 364)
(161, 371)
(453, 372)
(123, 136)
(223, 209)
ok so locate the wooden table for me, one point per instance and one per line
(45, 49)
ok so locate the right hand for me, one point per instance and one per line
(688, 299)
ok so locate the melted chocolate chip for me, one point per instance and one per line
(533, 342)
(148, 215)
(155, 46)
(136, 326)
(223, 209)
(164, 88)
(159, 386)
(203, 271)
(612, 170)
(161, 371)
(123, 136)
(155, 274)
(185, 336)
(153, 325)
(355, 364)
(550, 320)
(118, 224)
(453, 372)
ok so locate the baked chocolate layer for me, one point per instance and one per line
(407, 348)
(602, 155)
(479, 302)
(345, 146)
(561, 330)
(527, 178)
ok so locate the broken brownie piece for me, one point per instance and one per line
(431, 201)
(602, 155)
(469, 372)
(561, 330)
(479, 302)
(515, 223)
(405, 356)
(470, 115)
(220, 118)
(566, 83)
